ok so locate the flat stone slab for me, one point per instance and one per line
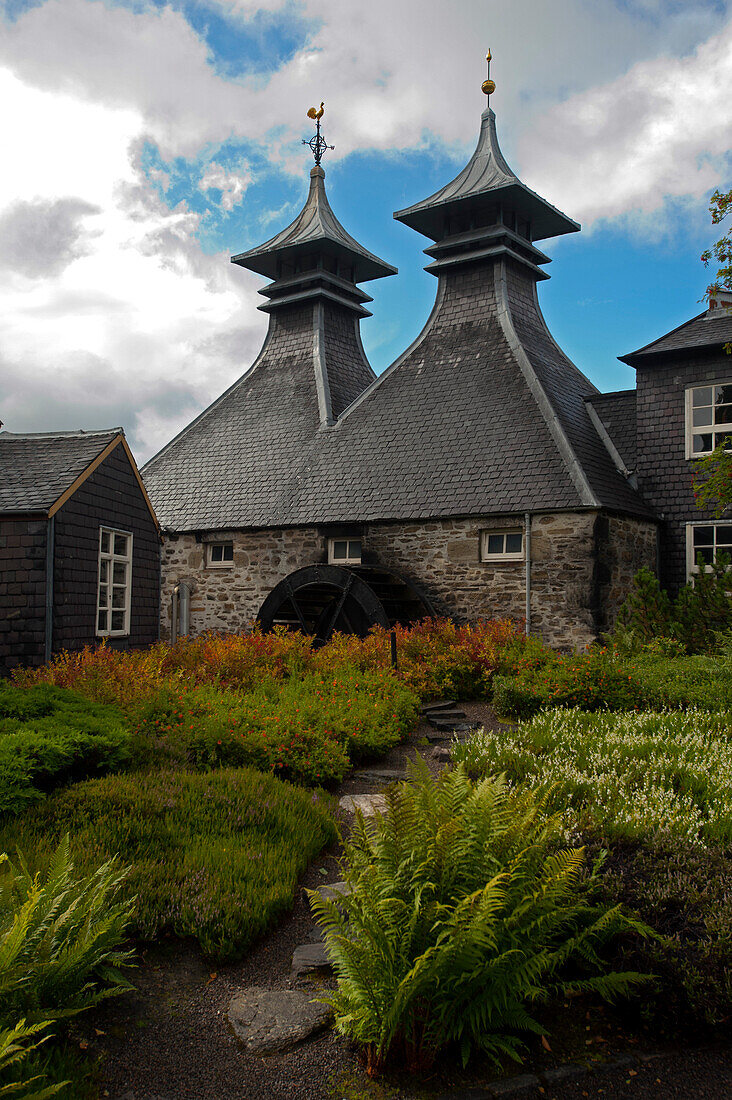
(309, 958)
(333, 891)
(381, 775)
(430, 708)
(266, 1021)
(368, 804)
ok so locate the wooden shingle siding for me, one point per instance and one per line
(110, 497)
(22, 592)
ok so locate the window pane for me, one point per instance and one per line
(120, 573)
(103, 595)
(118, 597)
(103, 572)
(105, 542)
(354, 549)
(723, 394)
(702, 416)
(723, 437)
(228, 551)
(102, 620)
(724, 536)
(495, 544)
(702, 396)
(723, 414)
(120, 545)
(340, 550)
(513, 542)
(702, 443)
(216, 553)
(703, 536)
(706, 553)
(118, 620)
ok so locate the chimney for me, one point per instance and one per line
(720, 303)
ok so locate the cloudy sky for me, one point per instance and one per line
(143, 143)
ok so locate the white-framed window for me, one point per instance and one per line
(344, 551)
(220, 555)
(708, 417)
(709, 540)
(114, 590)
(505, 545)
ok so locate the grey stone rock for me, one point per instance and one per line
(514, 1086)
(381, 775)
(563, 1073)
(441, 754)
(368, 804)
(266, 1021)
(310, 957)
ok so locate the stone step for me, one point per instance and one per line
(310, 958)
(266, 1021)
(464, 725)
(368, 804)
(446, 716)
(443, 704)
(382, 775)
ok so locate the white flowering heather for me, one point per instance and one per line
(630, 774)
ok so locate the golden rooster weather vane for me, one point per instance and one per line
(317, 143)
(488, 86)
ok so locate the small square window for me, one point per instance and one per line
(344, 551)
(708, 418)
(502, 545)
(220, 553)
(706, 541)
(114, 590)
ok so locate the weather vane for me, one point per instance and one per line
(318, 144)
(488, 86)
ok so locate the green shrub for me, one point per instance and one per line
(307, 730)
(59, 937)
(464, 912)
(216, 856)
(16, 1044)
(49, 735)
(595, 681)
(628, 775)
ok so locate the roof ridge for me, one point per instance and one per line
(78, 433)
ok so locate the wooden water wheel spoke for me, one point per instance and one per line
(296, 605)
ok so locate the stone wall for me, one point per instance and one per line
(582, 565)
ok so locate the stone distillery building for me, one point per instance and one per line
(482, 474)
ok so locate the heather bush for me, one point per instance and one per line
(49, 736)
(628, 775)
(465, 911)
(216, 856)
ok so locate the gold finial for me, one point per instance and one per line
(488, 86)
(315, 112)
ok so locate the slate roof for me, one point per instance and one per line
(487, 176)
(617, 411)
(36, 469)
(700, 333)
(315, 225)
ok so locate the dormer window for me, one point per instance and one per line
(708, 418)
(344, 551)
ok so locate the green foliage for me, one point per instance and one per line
(594, 681)
(713, 479)
(464, 911)
(216, 856)
(647, 610)
(307, 730)
(629, 775)
(702, 608)
(16, 1044)
(49, 736)
(720, 205)
(60, 937)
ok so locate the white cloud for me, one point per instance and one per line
(232, 185)
(660, 131)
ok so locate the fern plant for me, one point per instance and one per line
(464, 911)
(60, 938)
(16, 1043)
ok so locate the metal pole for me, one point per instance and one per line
(527, 557)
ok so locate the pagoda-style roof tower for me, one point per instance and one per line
(483, 415)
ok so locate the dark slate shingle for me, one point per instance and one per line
(37, 468)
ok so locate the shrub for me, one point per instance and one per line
(463, 913)
(60, 937)
(628, 775)
(49, 736)
(16, 1044)
(215, 856)
(595, 681)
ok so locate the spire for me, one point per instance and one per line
(314, 248)
(486, 192)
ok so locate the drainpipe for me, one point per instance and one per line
(50, 555)
(180, 611)
(527, 566)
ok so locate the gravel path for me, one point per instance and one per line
(170, 1040)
